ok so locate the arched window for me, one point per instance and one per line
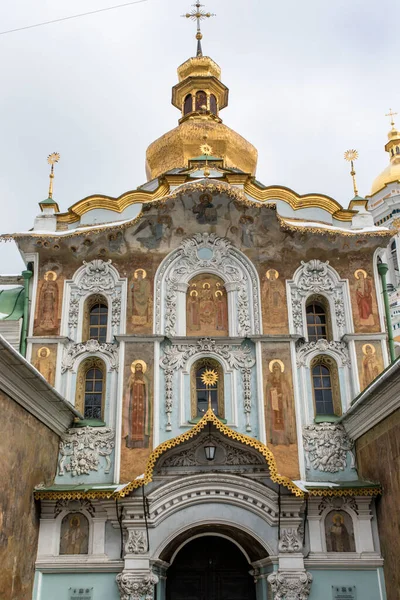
(393, 251)
(74, 534)
(213, 104)
(318, 319)
(90, 390)
(325, 384)
(200, 394)
(397, 150)
(188, 104)
(95, 319)
(201, 101)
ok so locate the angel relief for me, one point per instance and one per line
(207, 307)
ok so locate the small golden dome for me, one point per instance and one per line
(175, 148)
(392, 171)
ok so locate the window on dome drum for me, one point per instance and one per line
(98, 315)
(397, 150)
(200, 392)
(213, 104)
(93, 393)
(188, 105)
(317, 325)
(201, 101)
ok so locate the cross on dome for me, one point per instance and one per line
(391, 114)
(198, 15)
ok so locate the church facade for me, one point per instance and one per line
(210, 331)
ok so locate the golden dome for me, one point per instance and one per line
(392, 171)
(199, 95)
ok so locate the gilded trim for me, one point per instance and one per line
(375, 491)
(72, 495)
(331, 231)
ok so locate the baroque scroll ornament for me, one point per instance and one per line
(176, 356)
(290, 585)
(137, 542)
(316, 277)
(291, 540)
(74, 351)
(226, 261)
(132, 587)
(80, 450)
(98, 277)
(326, 446)
(304, 349)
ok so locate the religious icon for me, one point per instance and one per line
(221, 310)
(273, 301)
(139, 407)
(74, 537)
(205, 211)
(48, 303)
(279, 409)
(44, 364)
(193, 311)
(339, 534)
(158, 228)
(207, 306)
(141, 297)
(201, 101)
(364, 297)
(247, 228)
(370, 367)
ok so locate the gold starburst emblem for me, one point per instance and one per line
(53, 158)
(209, 377)
(351, 155)
(206, 149)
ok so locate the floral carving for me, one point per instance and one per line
(290, 540)
(238, 357)
(65, 504)
(290, 585)
(304, 349)
(315, 277)
(326, 446)
(132, 587)
(73, 351)
(137, 542)
(226, 261)
(80, 450)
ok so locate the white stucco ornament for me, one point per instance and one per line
(132, 587)
(290, 585)
(305, 349)
(291, 540)
(137, 542)
(74, 351)
(326, 446)
(81, 449)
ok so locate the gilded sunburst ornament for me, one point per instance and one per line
(209, 377)
(53, 158)
(206, 149)
(351, 155)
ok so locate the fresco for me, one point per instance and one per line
(48, 304)
(339, 534)
(206, 306)
(142, 298)
(44, 359)
(74, 535)
(280, 420)
(273, 302)
(137, 412)
(370, 362)
(363, 298)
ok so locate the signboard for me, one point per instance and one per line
(344, 592)
(80, 593)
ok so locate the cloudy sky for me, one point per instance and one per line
(307, 81)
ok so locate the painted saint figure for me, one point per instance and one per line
(139, 407)
(48, 304)
(205, 211)
(281, 427)
(339, 536)
(364, 297)
(193, 311)
(141, 297)
(44, 364)
(221, 317)
(370, 367)
(74, 537)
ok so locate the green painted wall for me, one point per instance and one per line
(366, 582)
(55, 586)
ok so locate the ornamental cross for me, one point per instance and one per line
(391, 114)
(198, 15)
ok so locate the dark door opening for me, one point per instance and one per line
(210, 568)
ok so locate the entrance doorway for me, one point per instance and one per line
(210, 568)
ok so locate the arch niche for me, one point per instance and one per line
(210, 566)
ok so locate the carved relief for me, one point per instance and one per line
(326, 446)
(74, 505)
(206, 306)
(290, 585)
(304, 349)
(137, 427)
(132, 587)
(73, 351)
(81, 449)
(176, 356)
(291, 540)
(137, 542)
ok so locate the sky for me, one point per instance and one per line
(308, 80)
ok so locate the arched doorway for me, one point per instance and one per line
(210, 568)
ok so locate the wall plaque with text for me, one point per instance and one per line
(344, 592)
(80, 593)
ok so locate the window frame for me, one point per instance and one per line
(330, 364)
(211, 363)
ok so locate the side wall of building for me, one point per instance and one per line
(378, 458)
(29, 457)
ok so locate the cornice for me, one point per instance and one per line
(59, 565)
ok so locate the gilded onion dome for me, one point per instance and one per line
(392, 171)
(199, 95)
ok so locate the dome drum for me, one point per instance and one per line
(209, 85)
